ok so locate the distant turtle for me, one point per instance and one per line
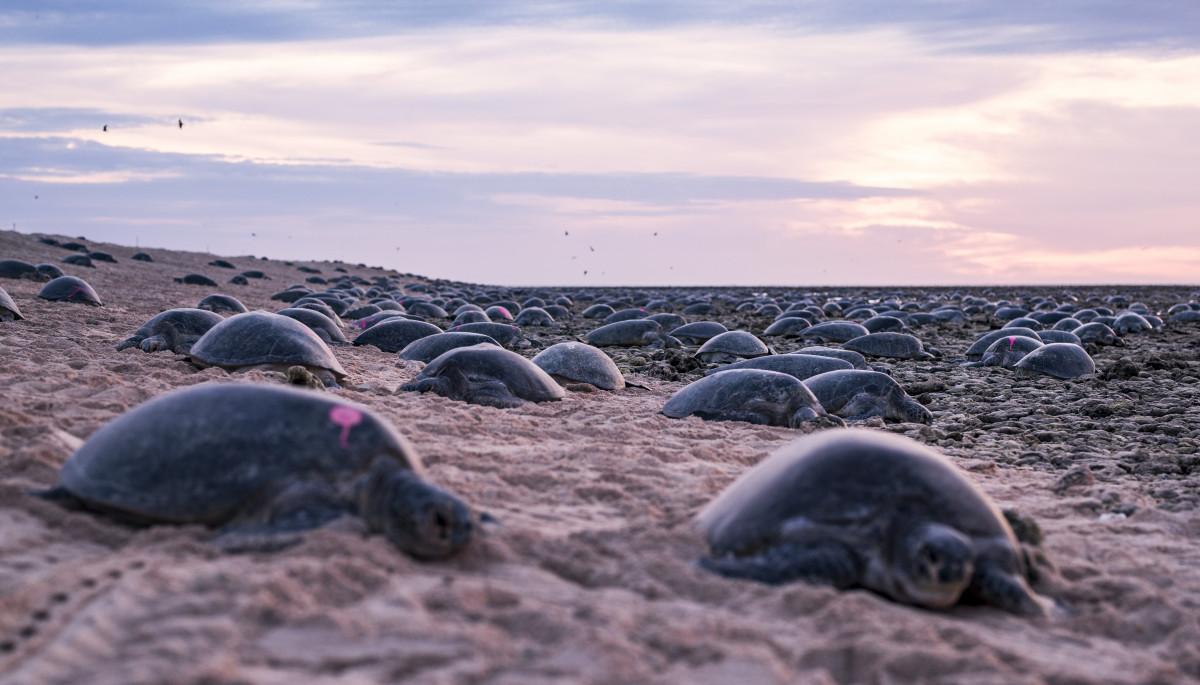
(255, 273)
(498, 314)
(1060, 360)
(196, 279)
(222, 264)
(15, 268)
(834, 331)
(239, 280)
(433, 346)
(368, 321)
(983, 342)
(319, 306)
(1007, 351)
(175, 330)
(471, 316)
(598, 311)
(787, 327)
(858, 395)
(488, 375)
(393, 335)
(427, 310)
(801, 366)
(102, 257)
(142, 257)
(8, 308)
(508, 336)
(1131, 322)
(320, 324)
(1097, 333)
(561, 313)
(534, 316)
(854, 358)
(884, 324)
(261, 464)
(79, 260)
(731, 346)
(576, 362)
(890, 344)
(859, 508)
(70, 289)
(292, 294)
(628, 314)
(222, 303)
(698, 332)
(756, 396)
(1188, 316)
(363, 312)
(1024, 322)
(265, 340)
(49, 272)
(1053, 336)
(632, 333)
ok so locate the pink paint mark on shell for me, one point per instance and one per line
(1012, 340)
(347, 418)
(507, 314)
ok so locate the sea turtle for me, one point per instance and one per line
(102, 257)
(632, 333)
(1070, 323)
(79, 260)
(628, 314)
(597, 311)
(266, 340)
(8, 308)
(196, 279)
(508, 336)
(319, 306)
(261, 464)
(983, 342)
(222, 303)
(854, 358)
(534, 316)
(49, 272)
(470, 316)
(731, 346)
(433, 346)
(1007, 351)
(320, 324)
(1131, 322)
(698, 332)
(763, 397)
(15, 268)
(392, 335)
(1060, 360)
(668, 320)
(787, 327)
(363, 312)
(70, 289)
(890, 344)
(428, 310)
(488, 375)
(885, 324)
(857, 395)
(1024, 322)
(1053, 336)
(1186, 316)
(834, 331)
(292, 294)
(142, 257)
(1097, 333)
(860, 508)
(222, 264)
(576, 362)
(498, 314)
(175, 330)
(366, 322)
(801, 366)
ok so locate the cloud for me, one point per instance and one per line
(55, 119)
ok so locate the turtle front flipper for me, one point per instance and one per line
(279, 521)
(999, 588)
(828, 563)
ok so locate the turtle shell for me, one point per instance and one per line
(1060, 360)
(70, 289)
(433, 346)
(200, 454)
(264, 338)
(580, 362)
(8, 308)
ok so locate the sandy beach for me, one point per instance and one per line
(589, 576)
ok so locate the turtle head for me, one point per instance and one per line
(421, 519)
(915, 412)
(935, 564)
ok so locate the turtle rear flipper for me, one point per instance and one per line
(828, 563)
(281, 520)
(1007, 591)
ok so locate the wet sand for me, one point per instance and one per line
(590, 575)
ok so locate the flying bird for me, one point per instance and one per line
(566, 233)
(181, 123)
(105, 128)
(591, 248)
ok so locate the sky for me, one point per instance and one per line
(809, 142)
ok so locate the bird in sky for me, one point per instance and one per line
(181, 123)
(105, 128)
(591, 248)
(566, 233)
